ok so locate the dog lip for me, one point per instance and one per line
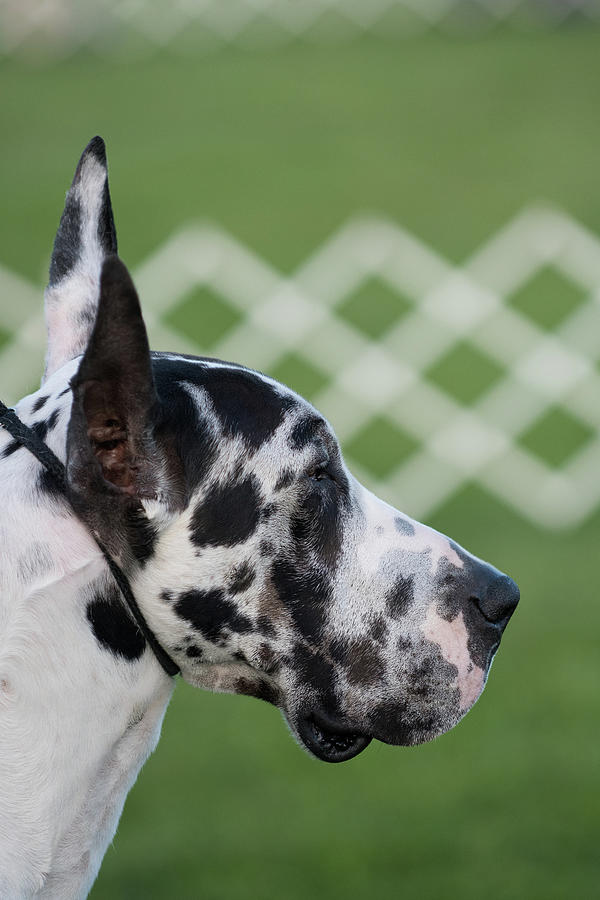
(330, 740)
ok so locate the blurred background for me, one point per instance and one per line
(392, 206)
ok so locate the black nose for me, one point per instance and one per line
(497, 601)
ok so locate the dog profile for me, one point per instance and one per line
(259, 563)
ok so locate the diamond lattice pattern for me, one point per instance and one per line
(432, 375)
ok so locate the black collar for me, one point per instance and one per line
(30, 440)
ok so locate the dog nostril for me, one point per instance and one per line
(499, 600)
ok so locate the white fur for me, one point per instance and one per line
(76, 723)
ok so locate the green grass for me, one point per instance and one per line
(450, 138)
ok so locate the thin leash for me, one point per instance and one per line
(28, 439)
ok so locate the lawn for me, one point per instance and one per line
(451, 138)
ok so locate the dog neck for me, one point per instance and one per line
(77, 721)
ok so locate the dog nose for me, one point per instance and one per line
(498, 600)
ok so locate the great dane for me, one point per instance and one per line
(258, 562)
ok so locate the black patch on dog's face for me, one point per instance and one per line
(285, 479)
(241, 578)
(259, 688)
(210, 613)
(304, 431)
(316, 523)
(245, 404)
(184, 426)
(360, 658)
(228, 515)
(317, 676)
(306, 593)
(113, 628)
(378, 629)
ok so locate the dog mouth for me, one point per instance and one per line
(330, 741)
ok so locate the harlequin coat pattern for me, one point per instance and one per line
(263, 567)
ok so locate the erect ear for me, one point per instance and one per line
(111, 444)
(86, 236)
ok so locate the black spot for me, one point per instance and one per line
(141, 533)
(391, 721)
(113, 627)
(306, 593)
(185, 433)
(52, 420)
(360, 658)
(210, 613)
(430, 672)
(194, 652)
(403, 526)
(39, 403)
(422, 679)
(316, 525)
(305, 431)
(378, 629)
(241, 578)
(86, 316)
(265, 626)
(260, 689)
(266, 659)
(67, 244)
(405, 645)
(266, 549)
(48, 485)
(267, 511)
(246, 405)
(316, 672)
(107, 235)
(400, 598)
(228, 515)
(11, 448)
(339, 649)
(285, 479)
(41, 428)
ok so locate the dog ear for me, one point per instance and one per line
(111, 445)
(85, 237)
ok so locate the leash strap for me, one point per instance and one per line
(27, 438)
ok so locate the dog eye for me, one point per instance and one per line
(320, 473)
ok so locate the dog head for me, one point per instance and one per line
(261, 564)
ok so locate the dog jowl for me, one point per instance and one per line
(264, 567)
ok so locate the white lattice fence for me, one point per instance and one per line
(375, 327)
(56, 27)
